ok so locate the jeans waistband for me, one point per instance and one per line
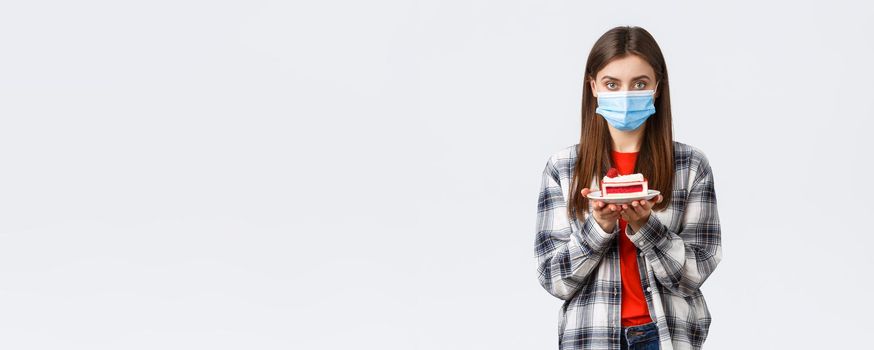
(641, 332)
(643, 327)
(640, 335)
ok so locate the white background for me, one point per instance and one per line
(361, 174)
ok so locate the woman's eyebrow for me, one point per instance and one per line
(635, 78)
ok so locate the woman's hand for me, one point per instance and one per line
(605, 215)
(637, 212)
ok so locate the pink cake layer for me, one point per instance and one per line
(624, 189)
(608, 188)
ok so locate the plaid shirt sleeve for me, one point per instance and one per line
(565, 257)
(683, 260)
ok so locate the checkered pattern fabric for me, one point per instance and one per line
(679, 247)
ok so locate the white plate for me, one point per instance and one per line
(621, 200)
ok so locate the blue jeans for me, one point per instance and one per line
(640, 337)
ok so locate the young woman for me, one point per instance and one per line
(629, 274)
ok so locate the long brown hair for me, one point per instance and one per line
(655, 159)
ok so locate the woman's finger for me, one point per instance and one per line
(633, 211)
(597, 206)
(629, 216)
(641, 209)
(652, 203)
(641, 206)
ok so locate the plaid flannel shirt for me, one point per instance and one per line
(679, 248)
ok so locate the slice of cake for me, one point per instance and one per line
(614, 185)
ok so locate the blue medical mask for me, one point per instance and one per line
(626, 110)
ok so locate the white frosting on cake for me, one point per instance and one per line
(624, 178)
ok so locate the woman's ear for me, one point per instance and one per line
(592, 87)
(656, 94)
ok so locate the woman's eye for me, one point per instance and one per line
(640, 85)
(611, 85)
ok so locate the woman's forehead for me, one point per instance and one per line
(629, 67)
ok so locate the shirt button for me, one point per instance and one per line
(649, 289)
(641, 253)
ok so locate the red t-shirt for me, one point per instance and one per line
(634, 308)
